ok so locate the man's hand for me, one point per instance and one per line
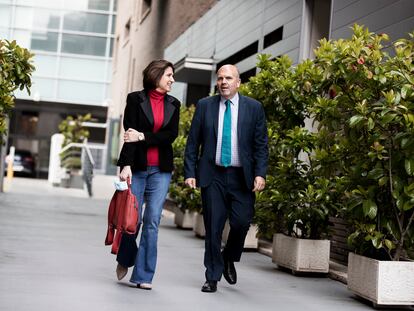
(126, 173)
(190, 182)
(131, 135)
(259, 183)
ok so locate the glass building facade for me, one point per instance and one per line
(72, 41)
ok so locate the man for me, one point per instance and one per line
(230, 131)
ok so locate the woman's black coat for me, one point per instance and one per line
(138, 115)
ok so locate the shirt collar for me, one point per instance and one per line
(234, 99)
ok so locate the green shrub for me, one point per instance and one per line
(16, 69)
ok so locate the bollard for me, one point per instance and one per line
(9, 176)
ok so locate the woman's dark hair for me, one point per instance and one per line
(153, 73)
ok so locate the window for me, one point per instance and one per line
(45, 88)
(113, 24)
(5, 13)
(4, 33)
(102, 5)
(99, 5)
(27, 123)
(73, 91)
(273, 37)
(86, 22)
(44, 41)
(87, 45)
(240, 55)
(244, 77)
(56, 4)
(111, 46)
(45, 65)
(127, 29)
(145, 9)
(29, 18)
(77, 68)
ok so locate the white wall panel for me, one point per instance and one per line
(274, 8)
(394, 17)
(292, 27)
(284, 46)
(358, 10)
(231, 25)
(340, 4)
(292, 13)
(248, 63)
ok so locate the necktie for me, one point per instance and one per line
(226, 136)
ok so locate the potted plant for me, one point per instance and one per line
(366, 113)
(73, 131)
(297, 201)
(187, 201)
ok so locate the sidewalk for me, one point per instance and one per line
(52, 257)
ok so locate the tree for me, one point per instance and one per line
(16, 69)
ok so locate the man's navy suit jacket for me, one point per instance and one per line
(200, 152)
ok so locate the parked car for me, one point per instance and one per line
(23, 164)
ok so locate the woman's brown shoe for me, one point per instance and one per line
(121, 271)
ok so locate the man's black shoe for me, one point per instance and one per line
(229, 272)
(209, 287)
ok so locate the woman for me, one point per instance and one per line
(151, 125)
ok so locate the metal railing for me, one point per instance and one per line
(79, 156)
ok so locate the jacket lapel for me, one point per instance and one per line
(215, 113)
(240, 119)
(168, 109)
(146, 107)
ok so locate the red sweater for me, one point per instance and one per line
(157, 105)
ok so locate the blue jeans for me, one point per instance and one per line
(151, 187)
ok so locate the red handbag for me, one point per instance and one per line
(122, 217)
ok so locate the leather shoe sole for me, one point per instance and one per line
(209, 287)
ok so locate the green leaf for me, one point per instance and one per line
(382, 181)
(377, 241)
(409, 190)
(355, 120)
(369, 208)
(409, 166)
(405, 142)
(371, 124)
(376, 173)
(408, 205)
(388, 118)
(404, 90)
(390, 245)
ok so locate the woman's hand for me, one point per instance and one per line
(126, 173)
(132, 135)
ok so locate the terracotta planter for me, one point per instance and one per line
(301, 255)
(182, 219)
(198, 227)
(382, 282)
(251, 241)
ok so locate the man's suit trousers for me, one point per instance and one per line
(227, 197)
